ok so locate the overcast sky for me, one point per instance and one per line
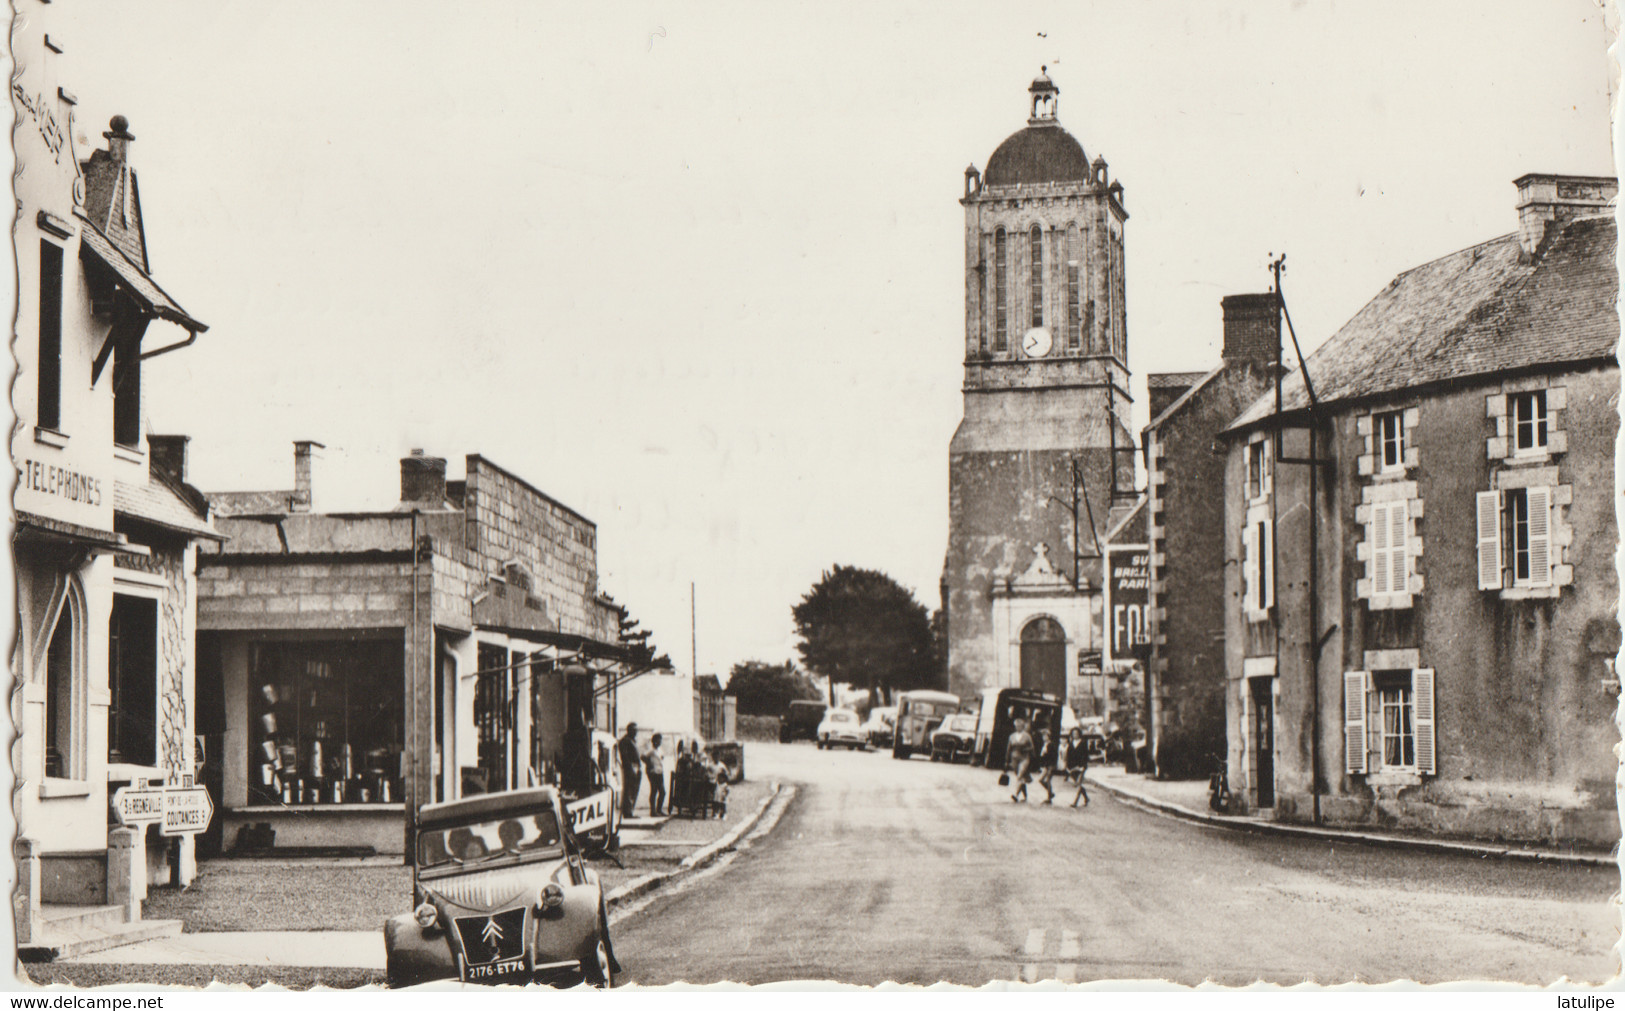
(696, 270)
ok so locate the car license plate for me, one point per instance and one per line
(495, 972)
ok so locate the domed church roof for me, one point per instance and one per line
(1041, 153)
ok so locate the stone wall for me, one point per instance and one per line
(510, 520)
(1187, 568)
(1524, 704)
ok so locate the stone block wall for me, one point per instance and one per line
(509, 520)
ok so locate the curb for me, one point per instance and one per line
(699, 858)
(1179, 811)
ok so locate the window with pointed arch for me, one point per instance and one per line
(1001, 291)
(1036, 242)
(65, 691)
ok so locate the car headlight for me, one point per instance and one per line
(426, 915)
(551, 896)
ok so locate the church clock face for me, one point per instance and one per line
(1036, 343)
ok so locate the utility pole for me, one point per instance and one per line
(1315, 641)
(693, 645)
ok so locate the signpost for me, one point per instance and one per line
(187, 810)
(138, 804)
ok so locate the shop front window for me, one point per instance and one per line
(326, 722)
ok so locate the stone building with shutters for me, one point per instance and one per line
(106, 530)
(1186, 666)
(1421, 628)
(1044, 442)
(363, 664)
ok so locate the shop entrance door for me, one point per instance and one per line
(1263, 735)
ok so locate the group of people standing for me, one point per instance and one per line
(640, 760)
(1022, 753)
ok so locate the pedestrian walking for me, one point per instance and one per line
(631, 768)
(1019, 759)
(654, 763)
(1048, 759)
(1077, 761)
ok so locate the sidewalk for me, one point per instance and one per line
(1187, 799)
(311, 896)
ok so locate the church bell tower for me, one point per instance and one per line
(1042, 445)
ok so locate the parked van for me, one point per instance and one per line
(1001, 707)
(800, 721)
(918, 713)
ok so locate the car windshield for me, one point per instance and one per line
(534, 832)
(932, 708)
(961, 723)
(842, 716)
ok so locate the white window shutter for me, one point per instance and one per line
(1354, 695)
(1249, 569)
(1398, 512)
(1377, 534)
(1422, 709)
(1266, 564)
(1489, 540)
(1540, 536)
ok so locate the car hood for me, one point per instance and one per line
(488, 891)
(958, 735)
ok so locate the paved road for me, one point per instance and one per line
(918, 872)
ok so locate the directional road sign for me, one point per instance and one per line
(139, 805)
(187, 810)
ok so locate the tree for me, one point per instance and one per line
(861, 627)
(767, 689)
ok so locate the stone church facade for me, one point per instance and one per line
(1046, 409)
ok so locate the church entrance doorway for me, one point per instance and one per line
(1043, 656)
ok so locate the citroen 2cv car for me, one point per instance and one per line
(503, 896)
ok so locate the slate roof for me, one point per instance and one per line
(157, 503)
(1167, 380)
(102, 248)
(1195, 382)
(1480, 311)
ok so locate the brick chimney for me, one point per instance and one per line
(423, 480)
(1252, 327)
(166, 456)
(304, 461)
(1545, 200)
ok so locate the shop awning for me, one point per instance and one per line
(94, 245)
(33, 527)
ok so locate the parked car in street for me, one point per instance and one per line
(503, 896)
(800, 721)
(841, 726)
(918, 713)
(955, 739)
(880, 726)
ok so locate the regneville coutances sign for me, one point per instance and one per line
(177, 809)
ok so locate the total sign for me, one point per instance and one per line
(1128, 618)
